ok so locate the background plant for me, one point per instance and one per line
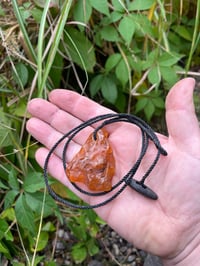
(123, 54)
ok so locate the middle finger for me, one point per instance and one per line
(48, 136)
(58, 119)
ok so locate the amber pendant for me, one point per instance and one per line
(94, 164)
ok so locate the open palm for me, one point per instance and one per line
(162, 227)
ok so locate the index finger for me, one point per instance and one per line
(65, 111)
(77, 105)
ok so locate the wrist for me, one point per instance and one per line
(188, 256)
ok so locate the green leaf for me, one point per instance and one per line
(2, 185)
(25, 13)
(43, 240)
(5, 231)
(8, 214)
(12, 180)
(136, 64)
(81, 50)
(91, 215)
(9, 198)
(122, 72)
(82, 12)
(78, 228)
(118, 6)
(115, 16)
(158, 102)
(168, 59)
(51, 263)
(151, 59)
(21, 108)
(79, 253)
(109, 33)
(35, 202)
(154, 75)
(112, 61)
(2, 12)
(149, 110)
(143, 25)
(37, 14)
(57, 70)
(24, 215)
(101, 6)
(22, 73)
(49, 227)
(95, 84)
(127, 28)
(37, 260)
(169, 75)
(109, 90)
(92, 247)
(33, 182)
(183, 32)
(121, 102)
(4, 250)
(15, 263)
(100, 221)
(141, 103)
(5, 130)
(140, 5)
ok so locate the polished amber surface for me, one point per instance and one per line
(94, 164)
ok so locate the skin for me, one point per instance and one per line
(168, 227)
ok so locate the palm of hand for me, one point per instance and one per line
(150, 225)
(162, 221)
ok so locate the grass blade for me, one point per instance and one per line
(41, 42)
(23, 29)
(195, 37)
(56, 36)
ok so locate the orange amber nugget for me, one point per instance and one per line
(94, 164)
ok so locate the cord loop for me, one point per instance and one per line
(147, 134)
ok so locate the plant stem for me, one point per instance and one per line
(195, 37)
(39, 228)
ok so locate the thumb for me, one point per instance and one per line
(182, 123)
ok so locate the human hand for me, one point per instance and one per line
(168, 227)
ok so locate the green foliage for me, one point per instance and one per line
(23, 203)
(84, 227)
(107, 86)
(149, 104)
(79, 49)
(124, 54)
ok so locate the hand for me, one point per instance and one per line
(168, 227)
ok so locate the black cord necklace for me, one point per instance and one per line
(147, 135)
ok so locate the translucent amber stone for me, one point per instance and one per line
(94, 164)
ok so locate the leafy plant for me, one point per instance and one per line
(23, 204)
(84, 227)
